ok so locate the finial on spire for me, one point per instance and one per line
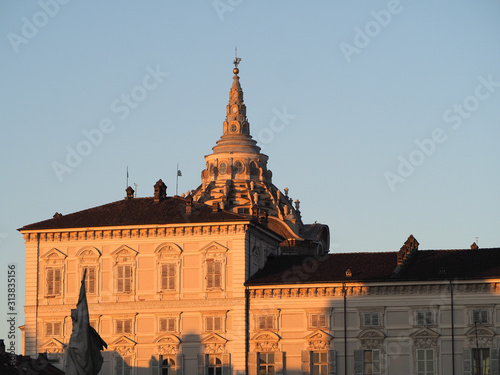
(236, 61)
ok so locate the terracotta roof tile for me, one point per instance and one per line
(137, 211)
(379, 267)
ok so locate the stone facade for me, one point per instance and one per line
(227, 279)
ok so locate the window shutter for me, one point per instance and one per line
(57, 281)
(358, 362)
(261, 322)
(332, 362)
(119, 326)
(209, 323)
(210, 272)
(366, 319)
(420, 318)
(48, 329)
(484, 316)
(270, 321)
(119, 285)
(476, 316)
(252, 363)
(376, 362)
(322, 321)
(218, 275)
(128, 279)
(155, 368)
(217, 323)
(201, 364)
(278, 362)
(494, 361)
(467, 361)
(171, 277)
(429, 318)
(306, 362)
(119, 365)
(171, 325)
(49, 278)
(91, 274)
(226, 364)
(128, 326)
(163, 277)
(179, 364)
(57, 329)
(375, 319)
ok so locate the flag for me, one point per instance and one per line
(179, 173)
(85, 345)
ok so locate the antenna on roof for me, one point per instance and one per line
(135, 191)
(127, 178)
(477, 241)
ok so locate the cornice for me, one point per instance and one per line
(135, 232)
(392, 288)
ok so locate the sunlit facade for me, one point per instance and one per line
(227, 279)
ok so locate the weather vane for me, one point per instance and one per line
(236, 58)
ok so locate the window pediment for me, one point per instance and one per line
(124, 253)
(54, 256)
(371, 339)
(266, 336)
(88, 254)
(424, 333)
(168, 249)
(123, 341)
(213, 248)
(318, 340)
(214, 344)
(53, 346)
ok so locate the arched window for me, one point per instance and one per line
(168, 366)
(214, 365)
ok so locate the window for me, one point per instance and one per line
(425, 362)
(318, 321)
(90, 279)
(425, 318)
(122, 365)
(54, 281)
(123, 326)
(319, 363)
(214, 365)
(481, 361)
(371, 362)
(168, 273)
(53, 329)
(266, 322)
(124, 279)
(167, 366)
(371, 319)
(367, 362)
(168, 325)
(266, 364)
(214, 274)
(480, 316)
(213, 323)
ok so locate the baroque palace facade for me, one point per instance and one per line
(227, 279)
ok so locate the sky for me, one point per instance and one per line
(381, 117)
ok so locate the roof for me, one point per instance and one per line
(138, 211)
(425, 265)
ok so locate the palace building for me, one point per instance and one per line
(227, 279)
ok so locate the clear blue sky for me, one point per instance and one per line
(393, 110)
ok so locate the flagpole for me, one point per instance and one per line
(177, 180)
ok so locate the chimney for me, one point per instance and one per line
(189, 202)
(130, 193)
(474, 246)
(160, 191)
(407, 250)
